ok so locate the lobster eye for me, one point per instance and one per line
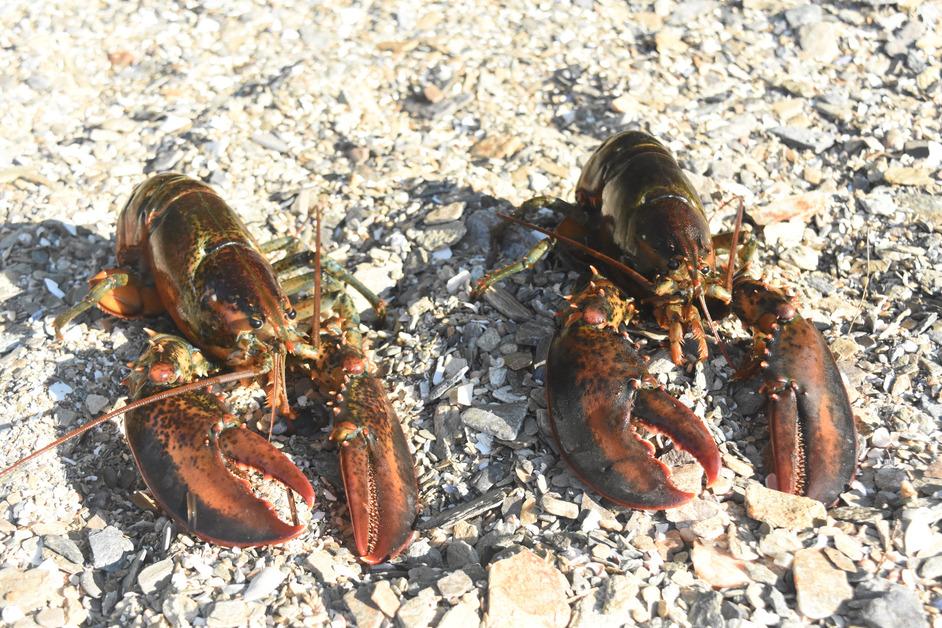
(705, 269)
(673, 264)
(256, 322)
(292, 314)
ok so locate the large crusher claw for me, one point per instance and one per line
(813, 438)
(184, 446)
(599, 391)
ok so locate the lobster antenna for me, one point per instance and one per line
(732, 246)
(316, 323)
(179, 390)
(638, 277)
(716, 336)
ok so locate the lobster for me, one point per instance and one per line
(184, 251)
(639, 219)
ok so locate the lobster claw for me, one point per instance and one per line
(375, 462)
(813, 437)
(598, 391)
(181, 445)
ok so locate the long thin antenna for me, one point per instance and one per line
(732, 246)
(638, 277)
(185, 388)
(316, 323)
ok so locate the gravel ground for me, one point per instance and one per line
(411, 124)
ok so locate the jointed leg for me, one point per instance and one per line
(118, 292)
(536, 253)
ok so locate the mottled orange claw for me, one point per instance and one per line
(811, 424)
(599, 391)
(183, 451)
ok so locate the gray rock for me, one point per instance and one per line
(271, 142)
(434, 237)
(108, 547)
(891, 606)
(419, 611)
(500, 420)
(805, 14)
(707, 610)
(179, 610)
(454, 585)
(228, 613)
(459, 554)
(445, 213)
(263, 584)
(65, 547)
(804, 139)
(153, 577)
(365, 613)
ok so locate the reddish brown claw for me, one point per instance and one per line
(183, 465)
(813, 438)
(598, 392)
(378, 472)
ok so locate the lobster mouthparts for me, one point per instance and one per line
(597, 390)
(181, 453)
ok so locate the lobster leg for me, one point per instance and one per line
(118, 292)
(811, 424)
(183, 445)
(599, 391)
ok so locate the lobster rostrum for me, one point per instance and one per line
(640, 220)
(184, 251)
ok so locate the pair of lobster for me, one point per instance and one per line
(183, 251)
(639, 219)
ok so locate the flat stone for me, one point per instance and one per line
(497, 146)
(694, 510)
(28, 590)
(434, 237)
(803, 139)
(819, 41)
(820, 588)
(228, 614)
(779, 541)
(931, 568)
(717, 568)
(445, 213)
(454, 585)
(782, 510)
(51, 617)
(559, 507)
(385, 598)
(263, 584)
(804, 14)
(525, 590)
(96, 403)
(462, 615)
(271, 142)
(459, 554)
(797, 206)
(321, 563)
(155, 576)
(900, 175)
(179, 610)
(500, 420)
(108, 547)
(419, 611)
(65, 547)
(365, 614)
(893, 607)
